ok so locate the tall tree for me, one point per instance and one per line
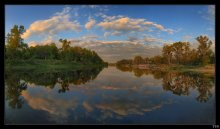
(14, 39)
(204, 51)
(14, 42)
(167, 53)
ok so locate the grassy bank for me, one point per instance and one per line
(45, 65)
(208, 69)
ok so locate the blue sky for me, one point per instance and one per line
(151, 25)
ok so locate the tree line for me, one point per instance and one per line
(16, 49)
(178, 53)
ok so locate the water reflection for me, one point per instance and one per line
(13, 91)
(110, 95)
(158, 74)
(179, 83)
(16, 81)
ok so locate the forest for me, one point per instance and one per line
(179, 53)
(17, 51)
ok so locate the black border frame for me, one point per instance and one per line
(111, 2)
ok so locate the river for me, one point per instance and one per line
(109, 96)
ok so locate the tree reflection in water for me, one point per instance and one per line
(179, 83)
(176, 82)
(16, 81)
(13, 89)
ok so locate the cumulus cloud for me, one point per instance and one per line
(46, 41)
(122, 24)
(90, 24)
(160, 27)
(57, 23)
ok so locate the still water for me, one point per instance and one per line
(109, 96)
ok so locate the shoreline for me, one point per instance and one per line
(50, 65)
(208, 69)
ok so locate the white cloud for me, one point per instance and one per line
(57, 23)
(90, 24)
(122, 25)
(160, 27)
(46, 41)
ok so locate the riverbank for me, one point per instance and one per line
(208, 69)
(45, 65)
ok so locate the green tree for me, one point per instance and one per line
(14, 42)
(204, 51)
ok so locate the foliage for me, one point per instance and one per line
(179, 53)
(16, 50)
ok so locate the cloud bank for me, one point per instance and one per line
(57, 23)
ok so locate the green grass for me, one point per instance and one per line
(48, 65)
(209, 69)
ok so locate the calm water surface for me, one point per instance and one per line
(109, 96)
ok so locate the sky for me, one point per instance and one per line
(114, 31)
